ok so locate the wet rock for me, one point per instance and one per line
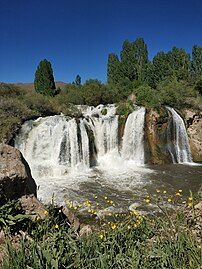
(33, 207)
(156, 137)
(15, 175)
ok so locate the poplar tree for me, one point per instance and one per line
(113, 69)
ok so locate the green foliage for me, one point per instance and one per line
(159, 69)
(124, 108)
(12, 217)
(44, 80)
(198, 86)
(179, 62)
(197, 60)
(146, 96)
(175, 93)
(92, 92)
(137, 242)
(8, 90)
(113, 69)
(134, 60)
(78, 80)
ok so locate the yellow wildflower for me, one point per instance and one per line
(158, 191)
(101, 236)
(110, 214)
(164, 192)
(190, 204)
(113, 226)
(105, 197)
(180, 191)
(169, 200)
(177, 194)
(135, 225)
(190, 199)
(45, 212)
(147, 201)
(67, 201)
(56, 226)
(129, 227)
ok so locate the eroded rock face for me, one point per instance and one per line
(156, 137)
(194, 130)
(15, 175)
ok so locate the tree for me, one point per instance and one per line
(78, 80)
(197, 60)
(134, 60)
(159, 69)
(179, 62)
(44, 80)
(113, 69)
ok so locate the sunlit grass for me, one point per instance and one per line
(120, 239)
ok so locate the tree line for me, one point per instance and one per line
(134, 64)
(160, 81)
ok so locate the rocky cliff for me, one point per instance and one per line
(156, 137)
(194, 130)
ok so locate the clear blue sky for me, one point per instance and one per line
(76, 36)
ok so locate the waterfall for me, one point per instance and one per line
(177, 134)
(104, 123)
(51, 145)
(133, 138)
(56, 145)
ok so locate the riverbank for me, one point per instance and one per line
(123, 240)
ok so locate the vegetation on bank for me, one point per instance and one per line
(119, 240)
(173, 78)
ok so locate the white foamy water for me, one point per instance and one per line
(180, 152)
(59, 152)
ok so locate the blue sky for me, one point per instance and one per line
(76, 36)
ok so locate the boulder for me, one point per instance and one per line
(86, 230)
(73, 220)
(15, 175)
(33, 207)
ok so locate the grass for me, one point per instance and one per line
(125, 240)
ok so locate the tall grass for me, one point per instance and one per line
(136, 242)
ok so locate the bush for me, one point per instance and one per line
(146, 96)
(10, 90)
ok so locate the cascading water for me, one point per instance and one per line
(51, 145)
(133, 138)
(177, 134)
(104, 127)
(60, 150)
